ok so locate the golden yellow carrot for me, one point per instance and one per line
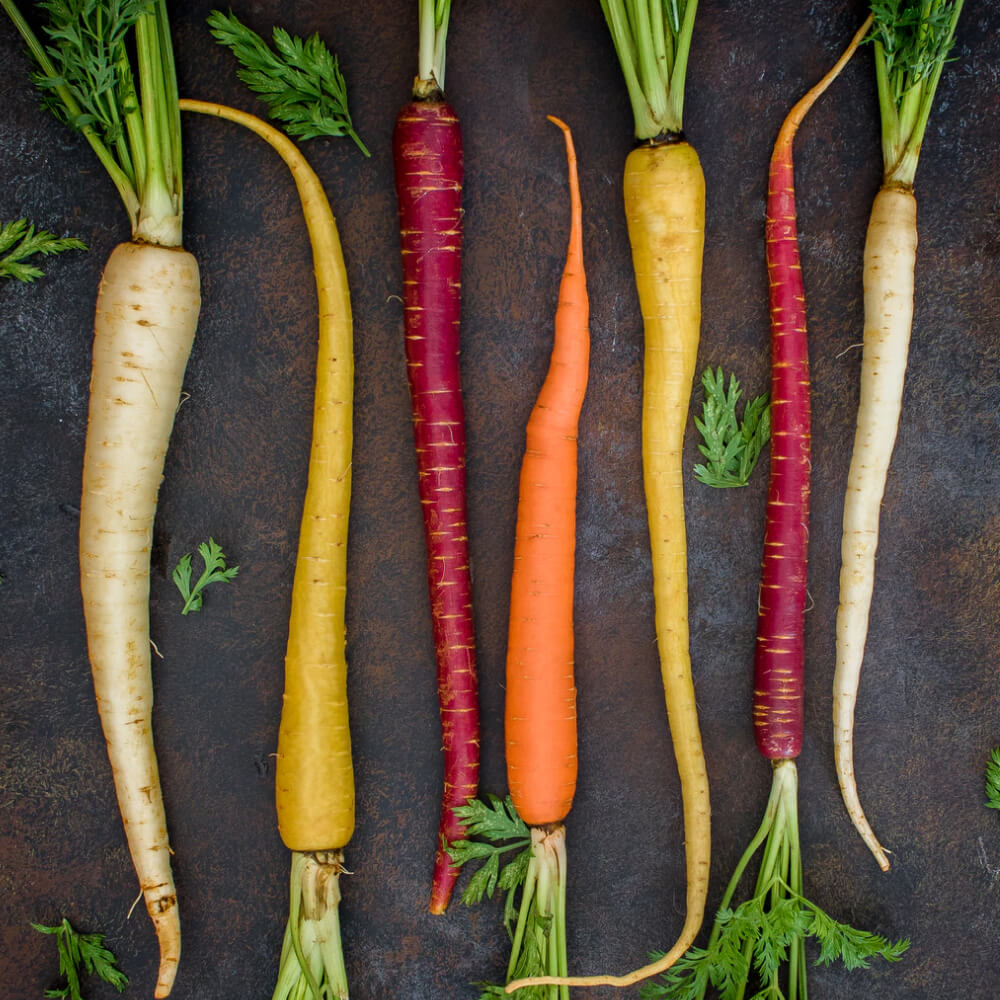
(314, 792)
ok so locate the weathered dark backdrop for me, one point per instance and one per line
(929, 701)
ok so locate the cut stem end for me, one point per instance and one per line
(312, 959)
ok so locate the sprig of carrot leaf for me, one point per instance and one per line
(756, 937)
(20, 240)
(85, 75)
(299, 80)
(500, 830)
(993, 780)
(81, 954)
(731, 446)
(215, 572)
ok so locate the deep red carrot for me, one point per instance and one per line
(741, 935)
(779, 655)
(427, 150)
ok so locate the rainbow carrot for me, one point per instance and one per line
(427, 151)
(912, 42)
(540, 716)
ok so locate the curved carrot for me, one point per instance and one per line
(540, 715)
(314, 791)
(144, 327)
(912, 42)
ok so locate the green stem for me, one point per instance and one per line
(433, 17)
(538, 946)
(527, 900)
(160, 211)
(907, 82)
(653, 51)
(312, 960)
(122, 182)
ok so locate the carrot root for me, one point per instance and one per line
(890, 258)
(147, 310)
(540, 708)
(427, 152)
(314, 781)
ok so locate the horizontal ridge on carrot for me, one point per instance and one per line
(540, 709)
(427, 152)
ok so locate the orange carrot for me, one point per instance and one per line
(541, 693)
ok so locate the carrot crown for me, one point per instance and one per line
(652, 39)
(912, 41)
(89, 84)
(433, 34)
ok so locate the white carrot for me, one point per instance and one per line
(912, 41)
(147, 310)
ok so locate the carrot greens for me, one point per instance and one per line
(80, 955)
(215, 571)
(768, 931)
(88, 83)
(653, 40)
(912, 40)
(299, 80)
(500, 830)
(19, 240)
(993, 780)
(731, 445)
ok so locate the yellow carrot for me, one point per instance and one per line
(314, 791)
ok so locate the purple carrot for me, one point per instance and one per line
(427, 150)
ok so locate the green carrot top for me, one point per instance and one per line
(912, 41)
(430, 61)
(653, 39)
(88, 83)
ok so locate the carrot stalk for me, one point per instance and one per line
(314, 773)
(912, 41)
(427, 152)
(738, 937)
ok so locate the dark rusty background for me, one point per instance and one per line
(928, 712)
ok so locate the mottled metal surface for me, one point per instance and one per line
(929, 700)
